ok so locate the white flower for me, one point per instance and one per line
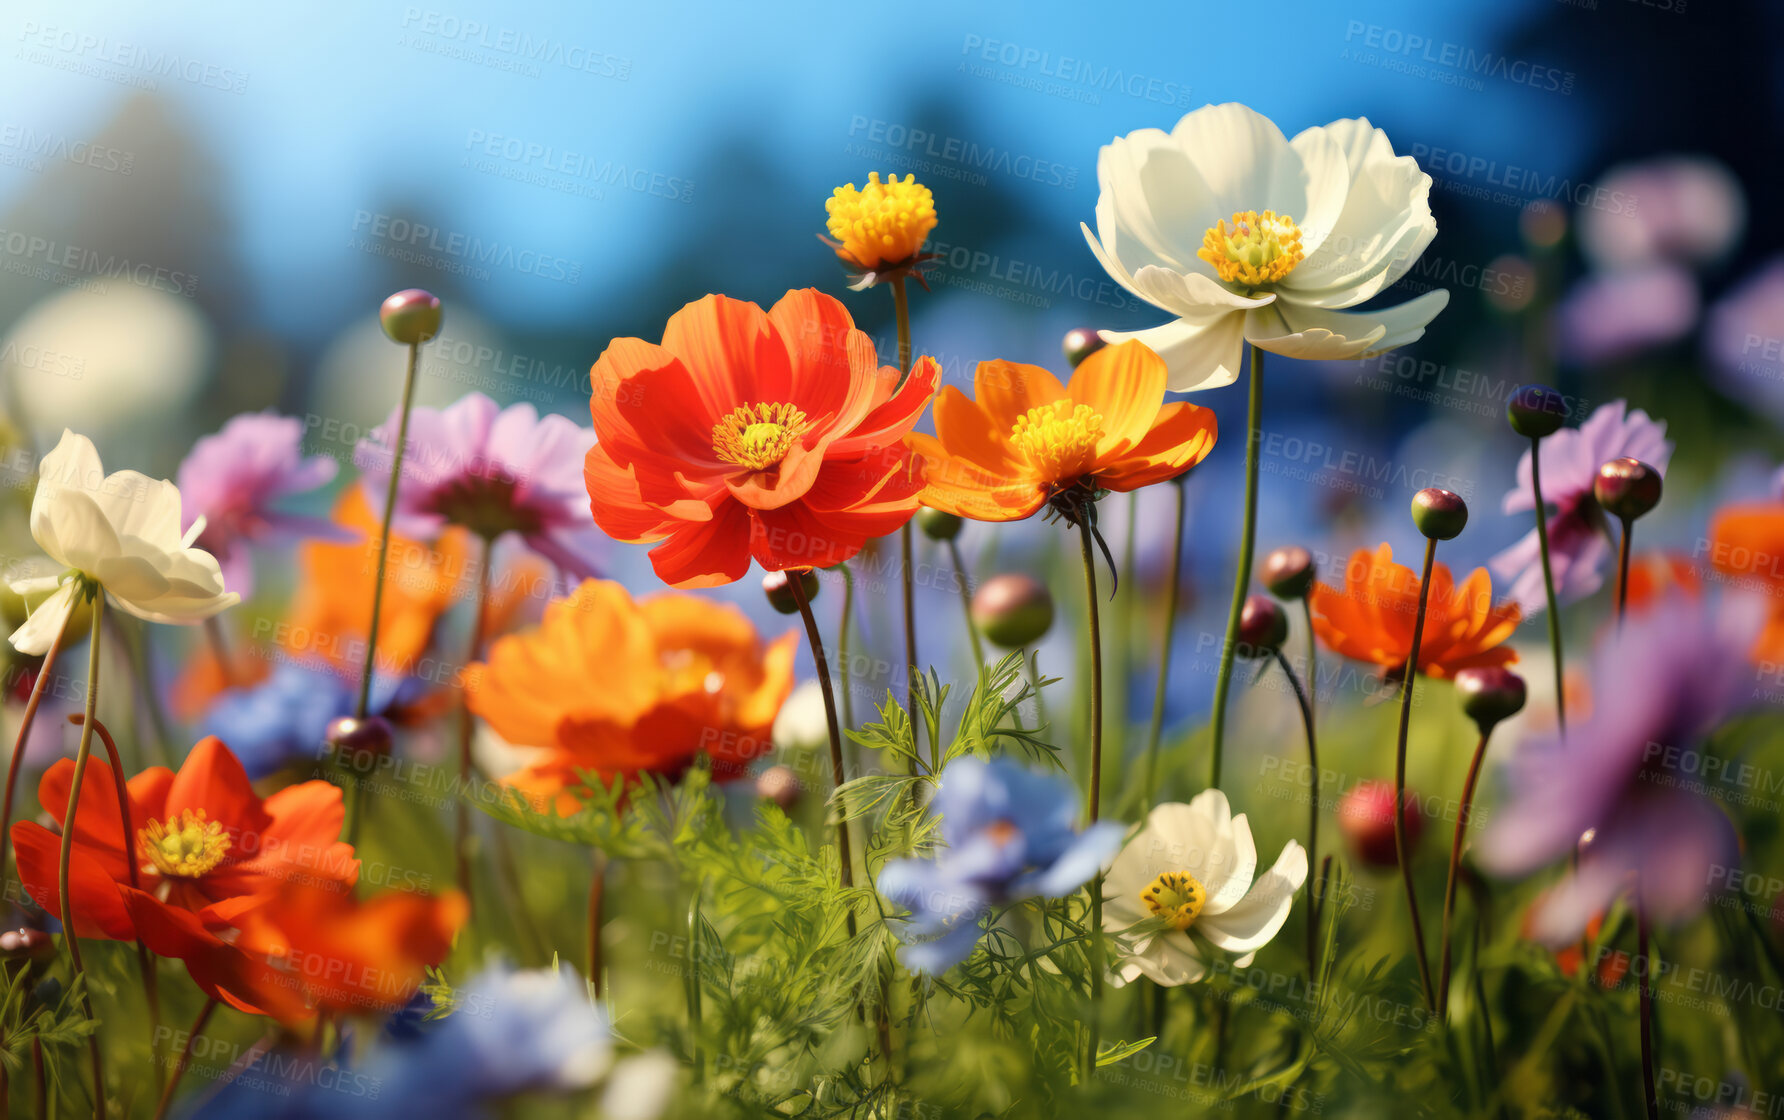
(1245, 236)
(119, 531)
(1193, 864)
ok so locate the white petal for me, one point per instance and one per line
(1198, 298)
(1153, 205)
(1238, 880)
(1257, 917)
(1170, 960)
(41, 628)
(1245, 160)
(639, 1087)
(1385, 224)
(1328, 185)
(1197, 356)
(1297, 331)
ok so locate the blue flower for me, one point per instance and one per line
(1009, 835)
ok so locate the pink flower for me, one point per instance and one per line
(233, 478)
(1578, 547)
(492, 471)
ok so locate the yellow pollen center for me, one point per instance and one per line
(1059, 439)
(1177, 897)
(883, 223)
(186, 846)
(1257, 250)
(758, 436)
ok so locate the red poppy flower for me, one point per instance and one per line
(206, 851)
(775, 435)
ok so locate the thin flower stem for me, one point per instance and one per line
(1623, 570)
(466, 722)
(390, 492)
(966, 603)
(846, 873)
(1094, 632)
(842, 643)
(1400, 851)
(66, 856)
(1312, 813)
(1548, 580)
(597, 904)
(44, 672)
(901, 308)
(1312, 654)
(185, 1058)
(1455, 870)
(901, 311)
(213, 632)
(1242, 578)
(1155, 732)
(1645, 978)
(150, 987)
(693, 990)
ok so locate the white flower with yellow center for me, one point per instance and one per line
(117, 531)
(1193, 865)
(1245, 236)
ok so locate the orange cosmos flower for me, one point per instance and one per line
(1656, 576)
(1371, 619)
(1028, 441)
(351, 956)
(618, 687)
(331, 612)
(205, 850)
(775, 434)
(1747, 545)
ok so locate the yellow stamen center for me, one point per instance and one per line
(883, 223)
(186, 846)
(758, 436)
(1258, 250)
(1177, 897)
(1059, 439)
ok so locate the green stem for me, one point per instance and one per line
(597, 895)
(694, 982)
(356, 791)
(1548, 580)
(966, 603)
(846, 873)
(1400, 850)
(1623, 570)
(1312, 654)
(1093, 624)
(1242, 578)
(66, 856)
(44, 673)
(1645, 978)
(466, 724)
(901, 309)
(1455, 868)
(1312, 813)
(842, 644)
(1155, 732)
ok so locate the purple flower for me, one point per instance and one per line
(232, 479)
(1578, 547)
(1620, 314)
(1629, 772)
(1009, 835)
(1744, 337)
(1687, 209)
(493, 471)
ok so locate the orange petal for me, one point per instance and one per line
(705, 554)
(732, 352)
(1007, 390)
(1126, 384)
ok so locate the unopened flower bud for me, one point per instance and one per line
(359, 738)
(938, 526)
(1081, 343)
(778, 588)
(1263, 627)
(1490, 694)
(1536, 411)
(1366, 820)
(1013, 610)
(1439, 514)
(26, 944)
(780, 785)
(1288, 572)
(1627, 488)
(411, 316)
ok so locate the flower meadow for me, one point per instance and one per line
(463, 825)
